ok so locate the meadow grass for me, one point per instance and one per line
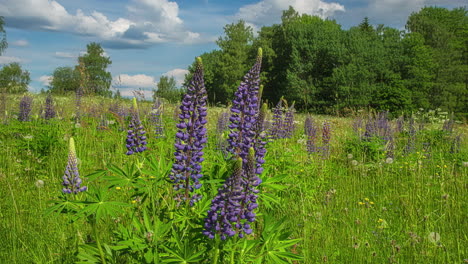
(363, 209)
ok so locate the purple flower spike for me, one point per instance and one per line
(156, 118)
(71, 178)
(310, 130)
(190, 139)
(49, 108)
(232, 209)
(326, 136)
(25, 108)
(136, 139)
(288, 124)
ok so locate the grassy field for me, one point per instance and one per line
(354, 205)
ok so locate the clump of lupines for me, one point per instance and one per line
(71, 178)
(326, 136)
(288, 124)
(156, 118)
(190, 139)
(231, 211)
(278, 120)
(136, 139)
(448, 125)
(310, 130)
(49, 108)
(25, 108)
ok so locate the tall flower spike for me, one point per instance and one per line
(231, 210)
(288, 124)
(71, 179)
(244, 111)
(49, 108)
(311, 133)
(25, 108)
(190, 139)
(136, 139)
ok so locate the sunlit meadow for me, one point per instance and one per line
(368, 188)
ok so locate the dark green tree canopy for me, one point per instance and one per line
(13, 79)
(97, 78)
(65, 79)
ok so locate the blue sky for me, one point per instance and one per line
(149, 38)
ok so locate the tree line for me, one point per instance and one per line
(328, 69)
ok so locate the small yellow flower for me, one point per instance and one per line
(152, 177)
(417, 152)
(380, 220)
(445, 166)
(366, 199)
(133, 202)
(118, 188)
(360, 203)
(371, 202)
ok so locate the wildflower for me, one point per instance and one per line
(326, 135)
(39, 183)
(71, 178)
(311, 132)
(190, 139)
(136, 141)
(354, 162)
(350, 156)
(278, 120)
(288, 124)
(361, 203)
(49, 108)
(231, 211)
(25, 108)
(118, 188)
(389, 161)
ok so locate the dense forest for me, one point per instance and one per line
(327, 69)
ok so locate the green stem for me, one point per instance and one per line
(216, 253)
(98, 242)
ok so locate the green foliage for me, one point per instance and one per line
(64, 79)
(95, 63)
(13, 79)
(167, 89)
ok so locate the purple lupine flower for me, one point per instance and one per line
(136, 139)
(310, 130)
(288, 124)
(231, 210)
(190, 139)
(278, 119)
(156, 118)
(326, 136)
(25, 108)
(71, 178)
(49, 108)
(260, 139)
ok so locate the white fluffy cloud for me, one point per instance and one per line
(178, 74)
(134, 81)
(270, 11)
(20, 43)
(67, 55)
(148, 22)
(45, 79)
(7, 59)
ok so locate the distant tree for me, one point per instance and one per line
(3, 41)
(95, 63)
(64, 79)
(167, 89)
(13, 79)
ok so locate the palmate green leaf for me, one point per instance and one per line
(62, 207)
(122, 178)
(99, 206)
(95, 175)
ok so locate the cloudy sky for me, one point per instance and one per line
(149, 38)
